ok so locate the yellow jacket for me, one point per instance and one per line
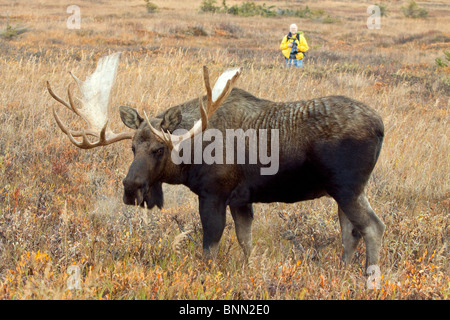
(302, 46)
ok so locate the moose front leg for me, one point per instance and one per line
(213, 218)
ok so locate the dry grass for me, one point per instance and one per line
(61, 206)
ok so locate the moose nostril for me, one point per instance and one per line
(132, 184)
(129, 184)
(125, 183)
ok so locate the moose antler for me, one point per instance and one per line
(214, 99)
(95, 92)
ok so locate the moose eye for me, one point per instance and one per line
(159, 151)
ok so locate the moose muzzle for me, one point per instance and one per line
(134, 191)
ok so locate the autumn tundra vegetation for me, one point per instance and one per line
(65, 232)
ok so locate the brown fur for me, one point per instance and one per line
(327, 146)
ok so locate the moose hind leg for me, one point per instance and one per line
(350, 237)
(243, 218)
(359, 212)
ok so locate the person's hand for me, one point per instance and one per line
(290, 45)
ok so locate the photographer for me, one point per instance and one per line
(293, 46)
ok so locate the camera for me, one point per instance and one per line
(294, 47)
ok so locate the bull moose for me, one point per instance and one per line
(326, 147)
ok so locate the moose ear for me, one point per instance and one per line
(130, 117)
(171, 119)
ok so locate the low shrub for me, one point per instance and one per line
(412, 10)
